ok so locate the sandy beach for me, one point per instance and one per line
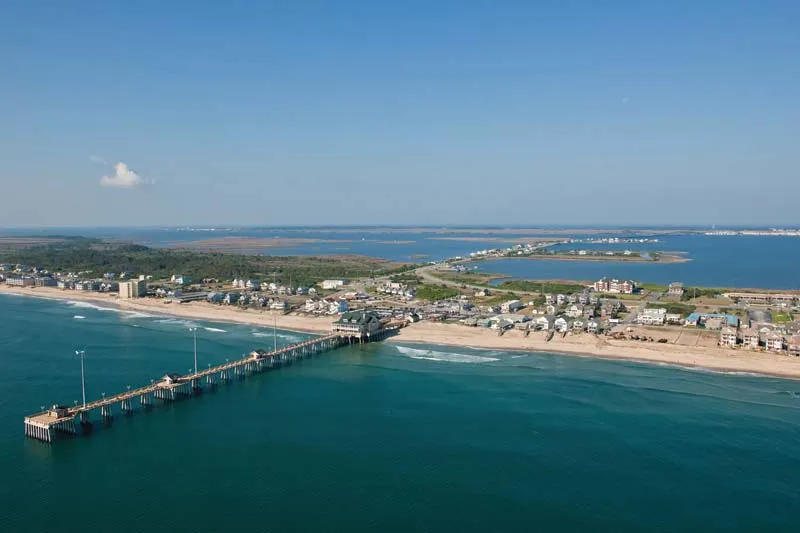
(712, 358)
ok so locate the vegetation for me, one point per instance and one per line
(435, 292)
(699, 292)
(781, 317)
(406, 277)
(78, 255)
(541, 287)
(673, 307)
(652, 287)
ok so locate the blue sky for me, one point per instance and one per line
(446, 112)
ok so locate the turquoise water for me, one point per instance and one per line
(387, 437)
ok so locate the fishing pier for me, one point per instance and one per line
(77, 420)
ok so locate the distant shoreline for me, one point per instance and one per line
(712, 358)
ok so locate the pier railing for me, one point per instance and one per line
(76, 420)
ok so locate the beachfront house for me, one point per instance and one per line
(575, 311)
(231, 298)
(543, 322)
(774, 342)
(794, 345)
(215, 297)
(652, 317)
(750, 339)
(728, 337)
(511, 306)
(578, 325)
(560, 324)
(593, 326)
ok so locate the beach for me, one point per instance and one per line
(584, 344)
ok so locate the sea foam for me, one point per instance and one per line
(447, 357)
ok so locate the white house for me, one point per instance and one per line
(179, 279)
(338, 306)
(578, 325)
(511, 306)
(593, 326)
(332, 284)
(652, 317)
(575, 311)
(728, 337)
(560, 324)
(543, 322)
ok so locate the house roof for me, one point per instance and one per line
(357, 317)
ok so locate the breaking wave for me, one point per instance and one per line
(447, 357)
(124, 312)
(79, 317)
(215, 330)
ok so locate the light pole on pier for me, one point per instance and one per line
(81, 354)
(194, 334)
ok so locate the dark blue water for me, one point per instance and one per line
(759, 262)
(387, 437)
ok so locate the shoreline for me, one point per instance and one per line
(455, 335)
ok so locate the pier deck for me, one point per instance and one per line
(76, 420)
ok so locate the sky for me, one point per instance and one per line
(360, 112)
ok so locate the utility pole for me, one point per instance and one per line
(194, 334)
(81, 354)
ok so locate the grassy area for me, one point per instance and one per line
(435, 292)
(673, 307)
(652, 287)
(541, 287)
(700, 292)
(98, 257)
(406, 277)
(479, 280)
(781, 317)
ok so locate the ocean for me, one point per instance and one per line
(386, 437)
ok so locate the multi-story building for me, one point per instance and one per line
(133, 289)
(775, 342)
(750, 339)
(20, 281)
(615, 286)
(652, 317)
(728, 337)
(675, 289)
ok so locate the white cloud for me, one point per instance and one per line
(124, 178)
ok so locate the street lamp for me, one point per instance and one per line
(194, 334)
(81, 354)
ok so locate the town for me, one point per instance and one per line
(620, 309)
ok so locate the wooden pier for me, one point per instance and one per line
(70, 421)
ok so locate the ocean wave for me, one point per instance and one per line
(88, 305)
(79, 317)
(446, 357)
(283, 336)
(176, 321)
(215, 330)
